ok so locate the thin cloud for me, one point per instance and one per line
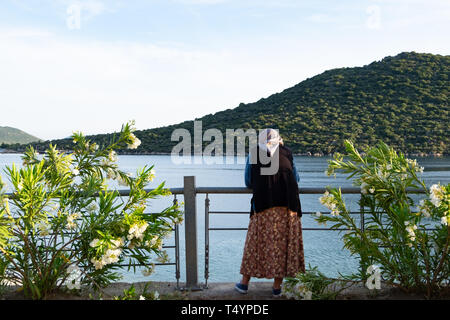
(320, 18)
(200, 2)
(24, 32)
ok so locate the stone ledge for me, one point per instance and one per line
(216, 291)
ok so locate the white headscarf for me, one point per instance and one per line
(269, 139)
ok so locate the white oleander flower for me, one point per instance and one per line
(71, 225)
(152, 175)
(364, 187)
(75, 171)
(156, 295)
(73, 285)
(412, 163)
(92, 207)
(71, 220)
(445, 220)
(121, 181)
(118, 243)
(324, 198)
(111, 256)
(73, 281)
(135, 142)
(94, 243)
(301, 291)
(288, 294)
(318, 214)
(141, 297)
(178, 220)
(425, 212)
(111, 174)
(152, 242)
(112, 156)
(381, 174)
(372, 190)
(328, 200)
(335, 212)
(424, 209)
(43, 228)
(98, 264)
(410, 228)
(137, 231)
(436, 194)
(307, 295)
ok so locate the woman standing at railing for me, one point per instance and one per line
(273, 246)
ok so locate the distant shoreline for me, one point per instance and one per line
(307, 154)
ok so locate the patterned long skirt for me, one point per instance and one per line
(274, 245)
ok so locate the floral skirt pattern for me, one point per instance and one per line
(274, 245)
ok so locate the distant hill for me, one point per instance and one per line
(402, 100)
(10, 135)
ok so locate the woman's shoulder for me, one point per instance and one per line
(286, 149)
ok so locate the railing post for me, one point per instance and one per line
(190, 224)
(177, 248)
(206, 241)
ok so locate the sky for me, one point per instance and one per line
(92, 65)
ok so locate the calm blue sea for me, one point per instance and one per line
(322, 248)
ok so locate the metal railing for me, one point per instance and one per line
(236, 190)
(243, 190)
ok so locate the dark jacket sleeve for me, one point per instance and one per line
(248, 173)
(294, 168)
(297, 176)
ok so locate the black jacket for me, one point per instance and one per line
(277, 190)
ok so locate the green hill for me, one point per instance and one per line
(402, 100)
(10, 135)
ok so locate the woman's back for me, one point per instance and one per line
(279, 189)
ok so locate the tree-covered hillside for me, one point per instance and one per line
(402, 100)
(10, 135)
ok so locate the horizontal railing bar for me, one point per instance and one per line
(305, 229)
(143, 265)
(247, 212)
(244, 190)
(229, 212)
(241, 190)
(243, 229)
(220, 229)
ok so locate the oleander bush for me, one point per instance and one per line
(405, 236)
(404, 239)
(63, 227)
